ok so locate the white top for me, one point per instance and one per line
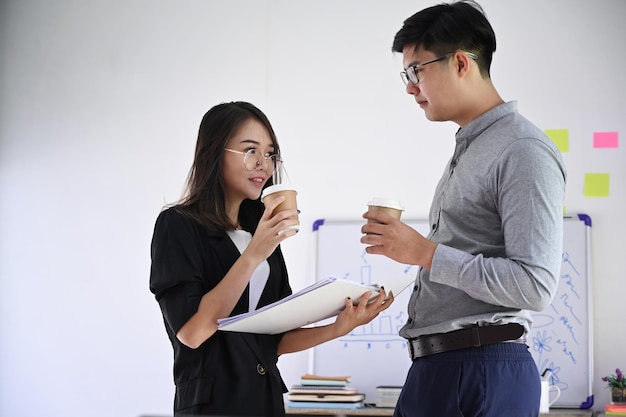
(242, 239)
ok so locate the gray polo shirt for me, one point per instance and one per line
(497, 215)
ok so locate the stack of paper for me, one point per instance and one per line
(387, 396)
(316, 391)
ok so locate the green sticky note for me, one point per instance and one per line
(560, 137)
(596, 185)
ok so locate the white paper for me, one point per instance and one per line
(317, 302)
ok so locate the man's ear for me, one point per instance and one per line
(462, 62)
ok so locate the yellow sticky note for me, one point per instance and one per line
(560, 137)
(596, 185)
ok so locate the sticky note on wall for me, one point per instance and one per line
(596, 185)
(560, 137)
(605, 140)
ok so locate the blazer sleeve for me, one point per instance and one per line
(176, 270)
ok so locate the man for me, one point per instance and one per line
(493, 253)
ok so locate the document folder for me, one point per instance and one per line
(324, 299)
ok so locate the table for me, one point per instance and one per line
(383, 412)
(365, 411)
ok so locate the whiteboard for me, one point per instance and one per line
(561, 336)
(375, 354)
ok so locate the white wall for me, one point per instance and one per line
(100, 105)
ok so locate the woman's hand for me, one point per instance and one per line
(365, 311)
(268, 234)
(349, 318)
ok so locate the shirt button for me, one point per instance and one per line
(261, 369)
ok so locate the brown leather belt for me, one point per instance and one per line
(465, 338)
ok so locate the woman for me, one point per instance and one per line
(215, 254)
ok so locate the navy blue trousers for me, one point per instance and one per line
(489, 381)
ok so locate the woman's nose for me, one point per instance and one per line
(263, 164)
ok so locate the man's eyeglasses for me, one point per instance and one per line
(411, 73)
(252, 159)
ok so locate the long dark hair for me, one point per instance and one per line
(203, 199)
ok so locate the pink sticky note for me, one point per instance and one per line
(605, 140)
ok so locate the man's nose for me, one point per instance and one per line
(412, 89)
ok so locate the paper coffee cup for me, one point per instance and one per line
(392, 207)
(291, 202)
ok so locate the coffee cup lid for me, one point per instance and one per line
(276, 188)
(386, 202)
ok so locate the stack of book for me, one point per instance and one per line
(316, 391)
(615, 409)
(387, 396)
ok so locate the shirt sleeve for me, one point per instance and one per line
(527, 185)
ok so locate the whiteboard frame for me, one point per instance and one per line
(585, 403)
(586, 400)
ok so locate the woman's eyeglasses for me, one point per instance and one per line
(253, 159)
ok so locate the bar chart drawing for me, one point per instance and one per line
(372, 354)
